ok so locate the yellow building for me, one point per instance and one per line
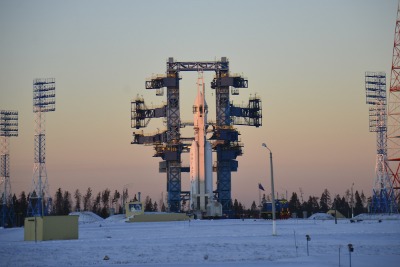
(133, 208)
(51, 228)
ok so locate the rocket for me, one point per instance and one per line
(201, 181)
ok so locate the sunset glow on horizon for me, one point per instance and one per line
(305, 59)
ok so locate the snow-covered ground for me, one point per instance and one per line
(211, 243)
(321, 216)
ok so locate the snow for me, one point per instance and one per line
(321, 216)
(211, 243)
(382, 216)
(87, 217)
(116, 218)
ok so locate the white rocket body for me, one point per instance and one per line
(201, 180)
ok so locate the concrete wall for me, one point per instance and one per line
(51, 228)
(159, 217)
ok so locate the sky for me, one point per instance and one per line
(305, 59)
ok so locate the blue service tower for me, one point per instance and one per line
(169, 145)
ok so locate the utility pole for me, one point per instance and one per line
(352, 201)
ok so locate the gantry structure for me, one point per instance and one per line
(8, 128)
(44, 100)
(169, 144)
(383, 197)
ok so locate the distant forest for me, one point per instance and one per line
(106, 203)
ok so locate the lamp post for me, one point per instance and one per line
(351, 249)
(352, 202)
(308, 239)
(272, 191)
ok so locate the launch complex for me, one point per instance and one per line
(214, 146)
(224, 141)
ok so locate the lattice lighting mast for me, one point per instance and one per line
(43, 101)
(393, 134)
(383, 200)
(8, 128)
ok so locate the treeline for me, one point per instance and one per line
(106, 203)
(103, 203)
(347, 205)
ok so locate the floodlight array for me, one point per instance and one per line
(375, 87)
(44, 95)
(8, 123)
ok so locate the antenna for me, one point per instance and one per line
(43, 101)
(8, 128)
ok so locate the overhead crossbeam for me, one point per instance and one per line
(222, 65)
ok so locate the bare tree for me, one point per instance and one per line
(78, 197)
(87, 200)
(66, 203)
(115, 199)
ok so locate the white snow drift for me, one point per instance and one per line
(113, 242)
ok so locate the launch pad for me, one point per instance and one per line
(224, 141)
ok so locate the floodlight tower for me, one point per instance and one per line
(383, 200)
(43, 101)
(393, 134)
(8, 128)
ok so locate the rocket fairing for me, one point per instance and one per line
(201, 183)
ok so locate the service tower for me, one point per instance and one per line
(169, 144)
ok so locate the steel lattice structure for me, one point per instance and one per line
(8, 128)
(383, 198)
(169, 144)
(43, 101)
(393, 134)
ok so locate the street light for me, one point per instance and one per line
(352, 202)
(351, 249)
(308, 239)
(272, 191)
